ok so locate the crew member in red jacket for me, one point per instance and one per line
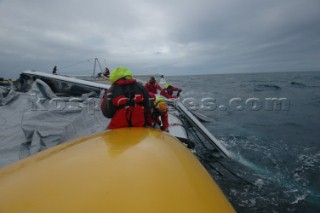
(153, 86)
(159, 110)
(126, 102)
(106, 72)
(168, 91)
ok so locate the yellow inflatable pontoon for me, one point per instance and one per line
(124, 170)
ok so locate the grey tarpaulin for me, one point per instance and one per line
(33, 121)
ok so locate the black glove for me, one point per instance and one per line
(178, 93)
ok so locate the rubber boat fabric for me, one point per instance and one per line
(122, 170)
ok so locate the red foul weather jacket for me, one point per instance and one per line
(153, 87)
(156, 115)
(168, 92)
(164, 118)
(127, 103)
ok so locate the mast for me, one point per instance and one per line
(96, 62)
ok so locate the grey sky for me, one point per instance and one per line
(170, 37)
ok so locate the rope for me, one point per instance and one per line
(205, 161)
(175, 124)
(71, 65)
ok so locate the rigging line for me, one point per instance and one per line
(216, 159)
(208, 164)
(70, 65)
(197, 137)
(205, 163)
(226, 168)
(104, 62)
(193, 132)
(233, 173)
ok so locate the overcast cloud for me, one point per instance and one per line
(170, 37)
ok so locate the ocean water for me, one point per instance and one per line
(275, 166)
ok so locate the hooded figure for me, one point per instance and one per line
(126, 102)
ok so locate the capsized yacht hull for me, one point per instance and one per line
(122, 170)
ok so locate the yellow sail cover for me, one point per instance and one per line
(124, 170)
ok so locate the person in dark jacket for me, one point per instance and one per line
(54, 71)
(126, 102)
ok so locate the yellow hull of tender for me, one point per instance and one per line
(124, 170)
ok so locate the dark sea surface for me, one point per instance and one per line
(275, 165)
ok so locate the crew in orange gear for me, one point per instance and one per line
(168, 91)
(160, 110)
(153, 86)
(126, 102)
